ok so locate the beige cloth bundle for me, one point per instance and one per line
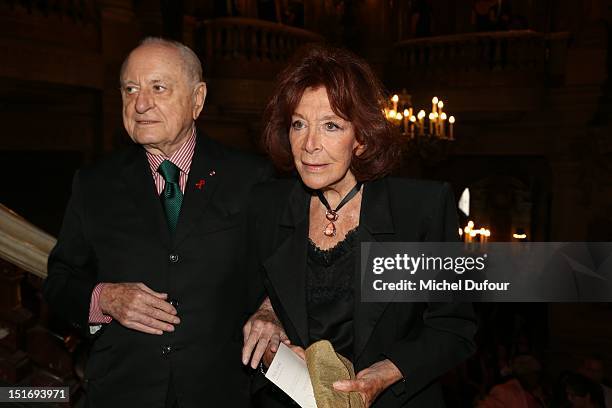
(325, 367)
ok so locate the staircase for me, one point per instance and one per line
(35, 350)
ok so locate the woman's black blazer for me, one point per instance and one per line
(422, 340)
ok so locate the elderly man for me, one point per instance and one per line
(152, 245)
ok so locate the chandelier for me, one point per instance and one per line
(471, 234)
(434, 125)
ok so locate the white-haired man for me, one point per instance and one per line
(152, 248)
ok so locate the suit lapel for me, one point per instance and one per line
(204, 177)
(376, 224)
(286, 268)
(139, 183)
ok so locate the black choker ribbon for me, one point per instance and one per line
(332, 215)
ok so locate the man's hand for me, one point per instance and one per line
(137, 307)
(370, 382)
(263, 333)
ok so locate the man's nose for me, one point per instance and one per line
(144, 101)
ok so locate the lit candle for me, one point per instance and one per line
(432, 124)
(437, 123)
(434, 103)
(467, 230)
(442, 125)
(395, 100)
(412, 122)
(451, 121)
(421, 117)
(480, 233)
(406, 120)
(440, 106)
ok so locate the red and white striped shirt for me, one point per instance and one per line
(182, 159)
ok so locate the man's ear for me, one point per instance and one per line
(199, 96)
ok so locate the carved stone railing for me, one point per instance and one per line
(22, 244)
(249, 48)
(78, 10)
(34, 350)
(477, 59)
(70, 24)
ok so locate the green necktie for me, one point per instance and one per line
(171, 198)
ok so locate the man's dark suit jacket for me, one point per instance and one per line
(115, 231)
(423, 341)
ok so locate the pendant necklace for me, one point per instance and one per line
(332, 215)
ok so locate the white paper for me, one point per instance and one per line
(290, 373)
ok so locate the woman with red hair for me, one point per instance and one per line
(325, 122)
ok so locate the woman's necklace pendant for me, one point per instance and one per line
(331, 215)
(330, 230)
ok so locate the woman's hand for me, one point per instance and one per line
(299, 351)
(263, 333)
(372, 381)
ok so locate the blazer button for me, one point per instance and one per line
(167, 349)
(174, 258)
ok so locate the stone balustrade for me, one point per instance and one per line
(244, 47)
(22, 244)
(478, 59)
(77, 10)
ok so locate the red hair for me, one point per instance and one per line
(355, 94)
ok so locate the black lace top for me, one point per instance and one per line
(330, 293)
